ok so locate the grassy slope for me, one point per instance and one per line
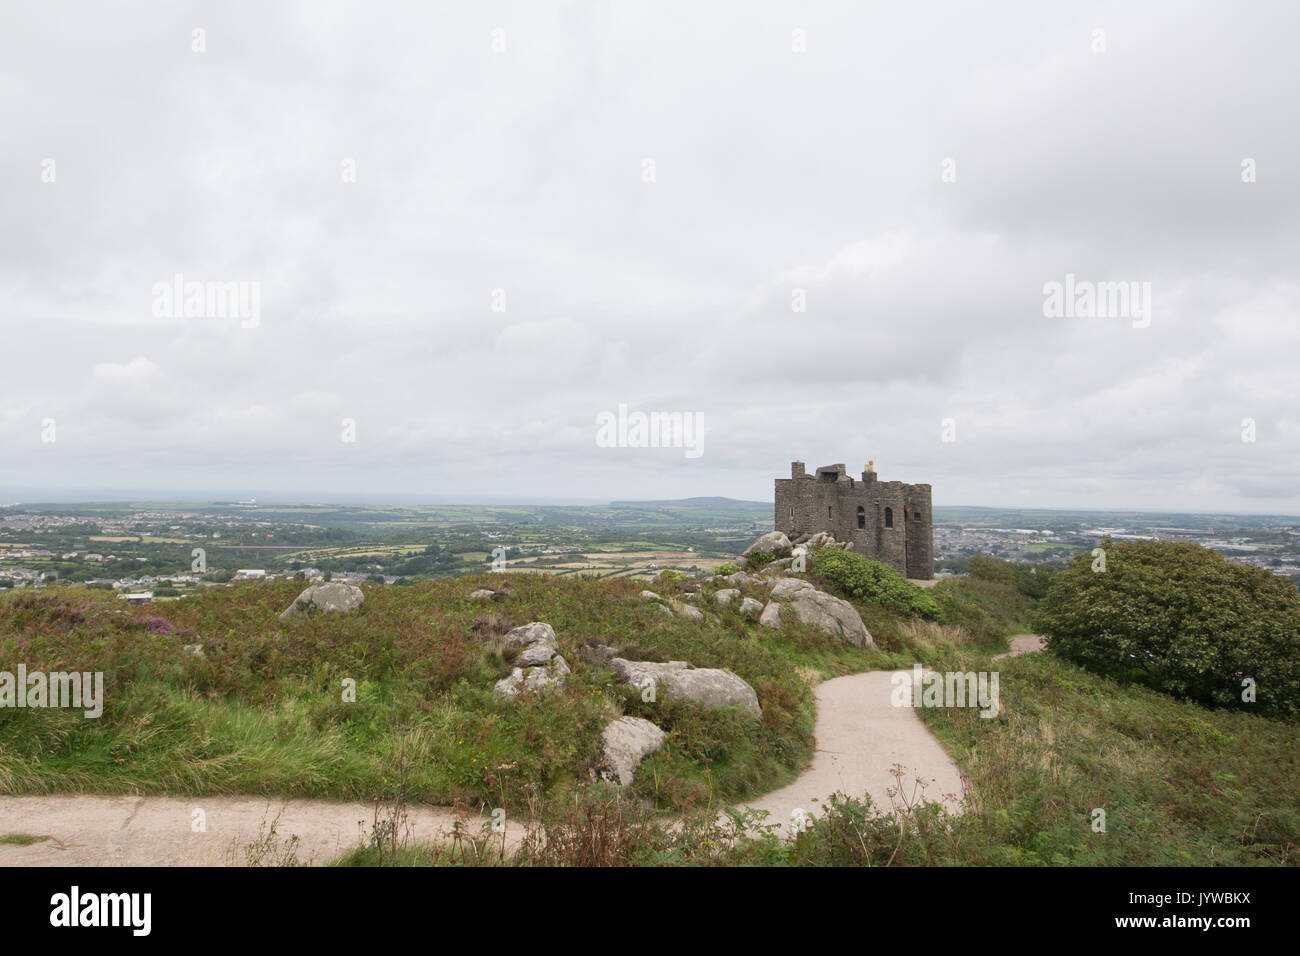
(265, 715)
(1179, 783)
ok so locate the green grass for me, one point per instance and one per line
(21, 839)
(265, 714)
(1179, 783)
(989, 611)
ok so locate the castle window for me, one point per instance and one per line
(791, 512)
(889, 517)
(862, 517)
(916, 515)
(828, 511)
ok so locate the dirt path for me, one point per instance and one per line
(860, 737)
(1022, 644)
(91, 830)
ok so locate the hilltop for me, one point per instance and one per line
(499, 691)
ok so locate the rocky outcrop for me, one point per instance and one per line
(726, 597)
(538, 666)
(820, 539)
(535, 655)
(774, 542)
(804, 544)
(771, 617)
(773, 568)
(685, 610)
(673, 607)
(526, 635)
(709, 686)
(823, 611)
(626, 742)
(331, 596)
(783, 588)
(749, 608)
(833, 616)
(534, 679)
(658, 602)
(739, 579)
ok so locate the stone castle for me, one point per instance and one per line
(887, 521)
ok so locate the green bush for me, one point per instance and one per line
(759, 559)
(988, 568)
(867, 580)
(1181, 619)
(1031, 580)
(724, 569)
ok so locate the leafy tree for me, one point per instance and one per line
(1181, 619)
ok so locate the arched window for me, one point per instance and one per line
(889, 517)
(862, 517)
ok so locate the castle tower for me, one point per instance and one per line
(887, 521)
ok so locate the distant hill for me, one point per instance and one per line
(699, 504)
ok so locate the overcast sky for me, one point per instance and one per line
(651, 186)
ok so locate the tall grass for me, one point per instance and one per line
(263, 711)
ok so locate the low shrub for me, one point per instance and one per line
(865, 580)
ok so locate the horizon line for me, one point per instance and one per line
(549, 502)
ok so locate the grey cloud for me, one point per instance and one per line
(775, 170)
